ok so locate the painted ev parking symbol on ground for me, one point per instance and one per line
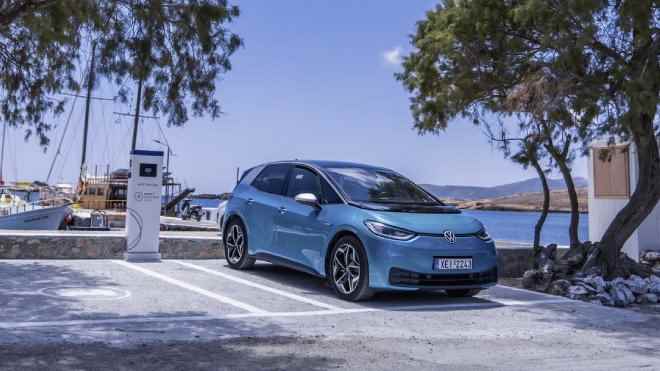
(92, 293)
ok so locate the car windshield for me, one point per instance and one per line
(378, 186)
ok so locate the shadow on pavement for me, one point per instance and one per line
(315, 286)
(274, 353)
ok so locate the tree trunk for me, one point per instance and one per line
(643, 200)
(560, 159)
(546, 200)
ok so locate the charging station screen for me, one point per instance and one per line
(148, 170)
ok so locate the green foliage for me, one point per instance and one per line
(39, 46)
(470, 56)
(178, 48)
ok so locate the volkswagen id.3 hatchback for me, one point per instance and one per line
(363, 228)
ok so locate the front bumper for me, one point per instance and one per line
(409, 265)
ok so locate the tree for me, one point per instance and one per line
(177, 49)
(469, 55)
(545, 97)
(39, 47)
(529, 154)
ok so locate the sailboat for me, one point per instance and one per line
(20, 215)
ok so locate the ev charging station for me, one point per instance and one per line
(145, 184)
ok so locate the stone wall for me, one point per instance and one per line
(512, 261)
(102, 247)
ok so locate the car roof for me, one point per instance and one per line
(324, 164)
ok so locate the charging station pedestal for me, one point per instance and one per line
(143, 204)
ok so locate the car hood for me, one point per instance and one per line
(425, 223)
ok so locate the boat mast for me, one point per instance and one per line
(136, 119)
(90, 85)
(2, 152)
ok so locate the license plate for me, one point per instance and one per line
(442, 264)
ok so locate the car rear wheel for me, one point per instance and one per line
(348, 270)
(236, 246)
(462, 293)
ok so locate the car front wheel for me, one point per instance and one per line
(236, 246)
(348, 270)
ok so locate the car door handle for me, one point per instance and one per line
(282, 210)
(250, 201)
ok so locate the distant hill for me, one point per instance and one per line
(468, 193)
(527, 202)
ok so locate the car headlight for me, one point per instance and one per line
(387, 231)
(483, 235)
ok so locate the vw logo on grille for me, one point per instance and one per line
(449, 236)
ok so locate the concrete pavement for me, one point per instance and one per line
(202, 315)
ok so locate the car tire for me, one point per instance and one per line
(349, 249)
(235, 241)
(462, 293)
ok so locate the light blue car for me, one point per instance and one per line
(364, 228)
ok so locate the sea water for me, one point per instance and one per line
(508, 225)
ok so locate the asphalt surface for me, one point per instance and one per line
(199, 314)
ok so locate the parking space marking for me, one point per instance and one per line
(549, 296)
(138, 320)
(198, 290)
(272, 290)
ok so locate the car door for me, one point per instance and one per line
(301, 230)
(262, 205)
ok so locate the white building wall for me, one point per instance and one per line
(603, 210)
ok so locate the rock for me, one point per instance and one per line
(647, 299)
(594, 284)
(599, 283)
(651, 256)
(577, 290)
(576, 255)
(656, 269)
(605, 299)
(654, 288)
(530, 278)
(559, 287)
(637, 285)
(654, 285)
(546, 258)
(621, 294)
(593, 271)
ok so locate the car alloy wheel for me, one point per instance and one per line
(346, 268)
(235, 244)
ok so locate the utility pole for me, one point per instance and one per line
(137, 114)
(90, 86)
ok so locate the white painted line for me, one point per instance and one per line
(198, 290)
(87, 322)
(534, 293)
(93, 322)
(272, 290)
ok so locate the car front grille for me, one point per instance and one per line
(403, 277)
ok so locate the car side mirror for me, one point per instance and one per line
(308, 199)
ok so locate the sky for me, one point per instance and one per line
(314, 80)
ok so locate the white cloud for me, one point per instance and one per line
(393, 56)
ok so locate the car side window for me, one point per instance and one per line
(329, 194)
(272, 179)
(303, 181)
(249, 175)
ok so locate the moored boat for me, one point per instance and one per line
(42, 215)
